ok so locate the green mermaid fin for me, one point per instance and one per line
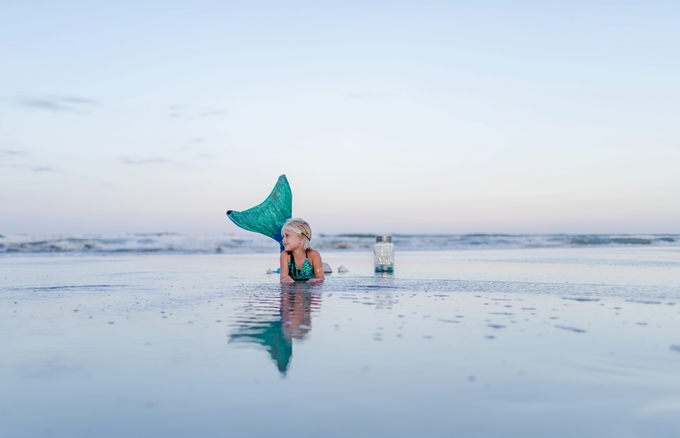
(268, 217)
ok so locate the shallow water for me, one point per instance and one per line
(527, 343)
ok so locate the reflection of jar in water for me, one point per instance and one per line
(383, 254)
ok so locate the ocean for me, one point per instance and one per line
(166, 335)
(167, 243)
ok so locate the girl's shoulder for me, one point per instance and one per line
(312, 253)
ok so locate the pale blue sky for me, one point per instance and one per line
(517, 117)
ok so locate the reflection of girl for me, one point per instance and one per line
(292, 320)
(299, 262)
(297, 302)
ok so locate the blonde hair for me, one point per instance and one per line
(300, 227)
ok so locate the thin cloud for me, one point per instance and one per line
(55, 104)
(133, 160)
(186, 112)
(13, 152)
(214, 113)
(80, 100)
(25, 168)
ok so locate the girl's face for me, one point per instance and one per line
(291, 240)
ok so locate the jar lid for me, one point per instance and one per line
(383, 239)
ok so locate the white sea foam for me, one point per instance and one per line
(254, 243)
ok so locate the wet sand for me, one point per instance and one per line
(527, 343)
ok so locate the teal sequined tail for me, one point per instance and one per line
(268, 217)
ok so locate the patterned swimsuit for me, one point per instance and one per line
(304, 273)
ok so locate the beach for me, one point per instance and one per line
(528, 342)
(520, 158)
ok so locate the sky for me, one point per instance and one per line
(386, 116)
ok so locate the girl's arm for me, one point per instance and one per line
(285, 275)
(317, 264)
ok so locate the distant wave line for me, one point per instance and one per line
(170, 243)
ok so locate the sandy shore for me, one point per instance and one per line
(526, 343)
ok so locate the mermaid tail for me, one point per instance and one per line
(268, 218)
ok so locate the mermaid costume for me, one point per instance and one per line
(305, 272)
(268, 217)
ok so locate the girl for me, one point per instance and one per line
(298, 260)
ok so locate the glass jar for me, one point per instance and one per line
(383, 254)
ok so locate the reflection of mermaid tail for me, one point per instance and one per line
(275, 319)
(271, 336)
(268, 217)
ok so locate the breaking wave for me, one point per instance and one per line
(252, 243)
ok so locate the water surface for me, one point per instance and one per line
(556, 342)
